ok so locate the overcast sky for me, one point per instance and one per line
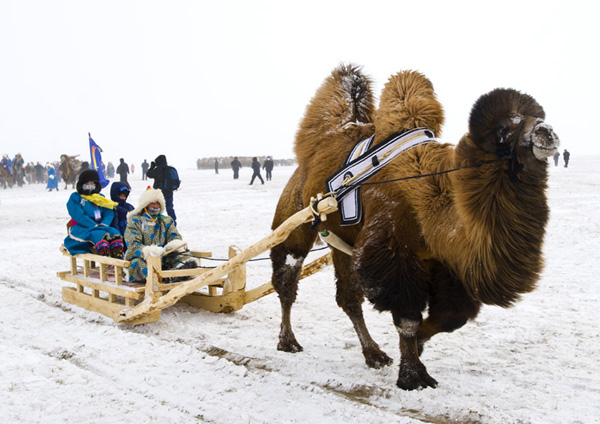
(194, 79)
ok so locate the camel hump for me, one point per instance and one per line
(408, 101)
(344, 103)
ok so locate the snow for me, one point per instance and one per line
(534, 363)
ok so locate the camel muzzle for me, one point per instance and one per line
(544, 141)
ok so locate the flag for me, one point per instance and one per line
(97, 164)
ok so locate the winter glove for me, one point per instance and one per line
(174, 244)
(152, 250)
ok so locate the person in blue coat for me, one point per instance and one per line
(52, 183)
(119, 192)
(91, 218)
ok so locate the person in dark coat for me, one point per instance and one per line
(236, 165)
(119, 192)
(256, 171)
(123, 170)
(268, 167)
(39, 173)
(216, 166)
(566, 156)
(145, 166)
(159, 172)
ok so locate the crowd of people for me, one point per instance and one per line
(236, 165)
(15, 172)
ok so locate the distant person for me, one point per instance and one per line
(268, 167)
(256, 171)
(132, 169)
(119, 192)
(159, 171)
(123, 170)
(110, 170)
(566, 156)
(39, 173)
(91, 218)
(145, 166)
(52, 183)
(198, 163)
(236, 165)
(150, 232)
(556, 158)
(18, 165)
(216, 166)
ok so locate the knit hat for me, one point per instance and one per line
(86, 176)
(151, 195)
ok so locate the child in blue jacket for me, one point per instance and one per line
(119, 192)
(91, 218)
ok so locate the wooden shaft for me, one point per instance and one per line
(281, 233)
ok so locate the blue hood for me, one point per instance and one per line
(115, 189)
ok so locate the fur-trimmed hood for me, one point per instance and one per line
(149, 196)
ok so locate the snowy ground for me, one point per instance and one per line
(534, 363)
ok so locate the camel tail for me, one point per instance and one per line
(343, 104)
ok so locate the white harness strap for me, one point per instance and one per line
(362, 163)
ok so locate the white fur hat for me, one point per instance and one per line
(151, 195)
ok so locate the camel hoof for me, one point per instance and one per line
(414, 377)
(375, 358)
(289, 345)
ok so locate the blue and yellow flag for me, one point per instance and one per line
(97, 164)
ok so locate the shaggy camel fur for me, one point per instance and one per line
(446, 243)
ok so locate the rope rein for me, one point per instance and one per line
(251, 260)
(433, 174)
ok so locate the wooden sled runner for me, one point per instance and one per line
(101, 287)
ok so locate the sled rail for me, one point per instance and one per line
(155, 300)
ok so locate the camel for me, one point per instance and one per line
(443, 244)
(6, 178)
(69, 169)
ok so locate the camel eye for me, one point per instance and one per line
(502, 133)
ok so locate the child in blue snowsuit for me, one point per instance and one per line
(52, 179)
(91, 218)
(119, 192)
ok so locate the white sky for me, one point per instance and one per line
(215, 78)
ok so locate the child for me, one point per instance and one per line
(91, 215)
(150, 232)
(52, 180)
(119, 192)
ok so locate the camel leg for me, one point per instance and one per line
(450, 307)
(413, 374)
(287, 259)
(350, 298)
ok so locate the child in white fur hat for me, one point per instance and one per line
(151, 232)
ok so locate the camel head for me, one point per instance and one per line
(511, 124)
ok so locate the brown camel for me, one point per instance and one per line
(445, 243)
(69, 169)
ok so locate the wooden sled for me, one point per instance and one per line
(100, 285)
